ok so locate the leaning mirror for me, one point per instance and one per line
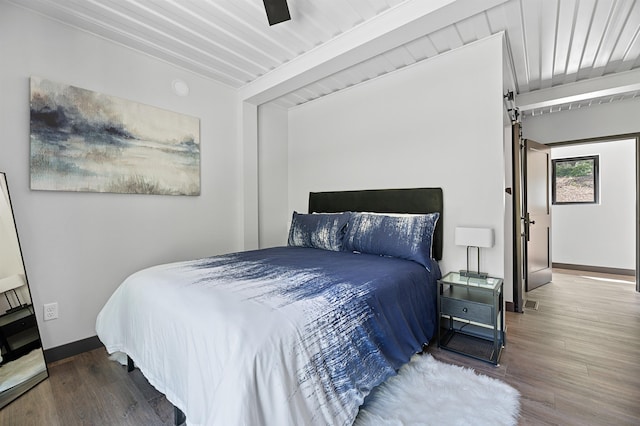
(22, 364)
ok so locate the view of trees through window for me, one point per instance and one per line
(575, 180)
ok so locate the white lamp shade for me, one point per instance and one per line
(474, 237)
(11, 282)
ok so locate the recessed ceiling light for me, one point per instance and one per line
(180, 87)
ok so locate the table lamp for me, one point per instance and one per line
(473, 237)
(11, 283)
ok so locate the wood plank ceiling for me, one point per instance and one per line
(552, 42)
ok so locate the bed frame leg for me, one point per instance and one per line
(179, 417)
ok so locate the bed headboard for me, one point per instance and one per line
(412, 200)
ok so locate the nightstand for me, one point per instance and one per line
(471, 316)
(18, 333)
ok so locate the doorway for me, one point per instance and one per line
(520, 259)
(593, 206)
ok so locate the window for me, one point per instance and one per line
(575, 180)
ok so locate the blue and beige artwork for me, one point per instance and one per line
(87, 141)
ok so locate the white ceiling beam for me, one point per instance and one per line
(608, 85)
(398, 25)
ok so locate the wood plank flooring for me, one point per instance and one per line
(575, 361)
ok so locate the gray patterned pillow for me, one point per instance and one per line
(407, 237)
(323, 231)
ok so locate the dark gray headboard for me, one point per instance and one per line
(413, 200)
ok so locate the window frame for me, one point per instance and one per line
(596, 179)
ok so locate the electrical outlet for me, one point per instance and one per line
(50, 311)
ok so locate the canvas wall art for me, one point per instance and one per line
(87, 141)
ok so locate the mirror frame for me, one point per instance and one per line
(11, 394)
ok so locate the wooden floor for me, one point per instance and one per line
(90, 389)
(575, 361)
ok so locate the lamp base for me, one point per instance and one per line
(15, 308)
(473, 274)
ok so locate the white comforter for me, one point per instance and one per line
(226, 341)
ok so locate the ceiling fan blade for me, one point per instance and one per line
(277, 11)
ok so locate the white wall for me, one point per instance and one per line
(436, 123)
(274, 216)
(609, 119)
(10, 254)
(9, 246)
(79, 246)
(599, 234)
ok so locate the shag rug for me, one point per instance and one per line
(430, 392)
(22, 369)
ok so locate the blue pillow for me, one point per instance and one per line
(404, 236)
(323, 231)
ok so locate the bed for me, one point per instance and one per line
(289, 335)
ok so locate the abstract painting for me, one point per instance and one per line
(87, 141)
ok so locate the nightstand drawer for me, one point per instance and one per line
(468, 310)
(19, 325)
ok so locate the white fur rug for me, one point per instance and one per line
(430, 392)
(23, 368)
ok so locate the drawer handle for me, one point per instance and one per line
(464, 309)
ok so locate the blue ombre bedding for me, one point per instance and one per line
(280, 336)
